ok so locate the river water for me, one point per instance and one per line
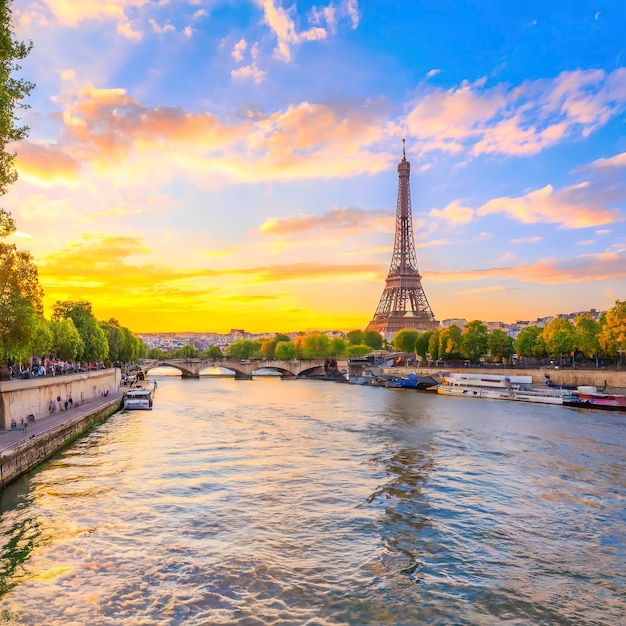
(302, 502)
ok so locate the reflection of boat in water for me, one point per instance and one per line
(139, 398)
(589, 397)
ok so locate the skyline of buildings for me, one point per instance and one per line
(204, 340)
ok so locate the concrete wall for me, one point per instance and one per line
(28, 453)
(20, 398)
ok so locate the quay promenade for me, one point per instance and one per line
(22, 451)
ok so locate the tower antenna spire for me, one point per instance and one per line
(403, 150)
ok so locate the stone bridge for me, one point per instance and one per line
(243, 368)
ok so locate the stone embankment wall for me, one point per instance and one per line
(28, 453)
(614, 379)
(20, 398)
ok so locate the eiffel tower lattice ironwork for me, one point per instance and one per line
(403, 303)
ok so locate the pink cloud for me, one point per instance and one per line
(547, 206)
(353, 220)
(516, 121)
(586, 268)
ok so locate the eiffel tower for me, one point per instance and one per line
(403, 303)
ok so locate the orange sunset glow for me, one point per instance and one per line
(201, 166)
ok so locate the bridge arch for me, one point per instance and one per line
(243, 368)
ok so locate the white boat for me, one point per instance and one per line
(544, 396)
(138, 398)
(478, 385)
(474, 392)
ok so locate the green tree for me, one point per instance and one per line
(613, 334)
(529, 343)
(559, 336)
(12, 94)
(243, 349)
(115, 339)
(450, 339)
(187, 352)
(155, 353)
(285, 350)
(268, 347)
(337, 346)
(499, 344)
(95, 345)
(41, 338)
(355, 337)
(66, 341)
(373, 339)
(357, 351)
(404, 340)
(587, 336)
(474, 341)
(313, 345)
(214, 353)
(421, 343)
(433, 345)
(20, 293)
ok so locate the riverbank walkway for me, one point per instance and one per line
(8, 438)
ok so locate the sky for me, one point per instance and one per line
(203, 165)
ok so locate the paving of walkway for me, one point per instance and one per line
(42, 424)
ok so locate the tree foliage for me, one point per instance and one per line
(21, 296)
(404, 340)
(474, 341)
(499, 344)
(243, 349)
(13, 91)
(587, 335)
(433, 345)
(421, 343)
(373, 339)
(559, 336)
(613, 335)
(285, 350)
(355, 337)
(528, 342)
(66, 341)
(450, 343)
(95, 345)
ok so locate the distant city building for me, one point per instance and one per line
(454, 321)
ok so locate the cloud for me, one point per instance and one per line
(284, 27)
(43, 165)
(453, 213)
(526, 240)
(480, 290)
(521, 120)
(165, 28)
(238, 49)
(586, 268)
(249, 72)
(107, 130)
(570, 208)
(351, 220)
(619, 160)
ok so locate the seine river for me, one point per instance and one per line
(275, 502)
